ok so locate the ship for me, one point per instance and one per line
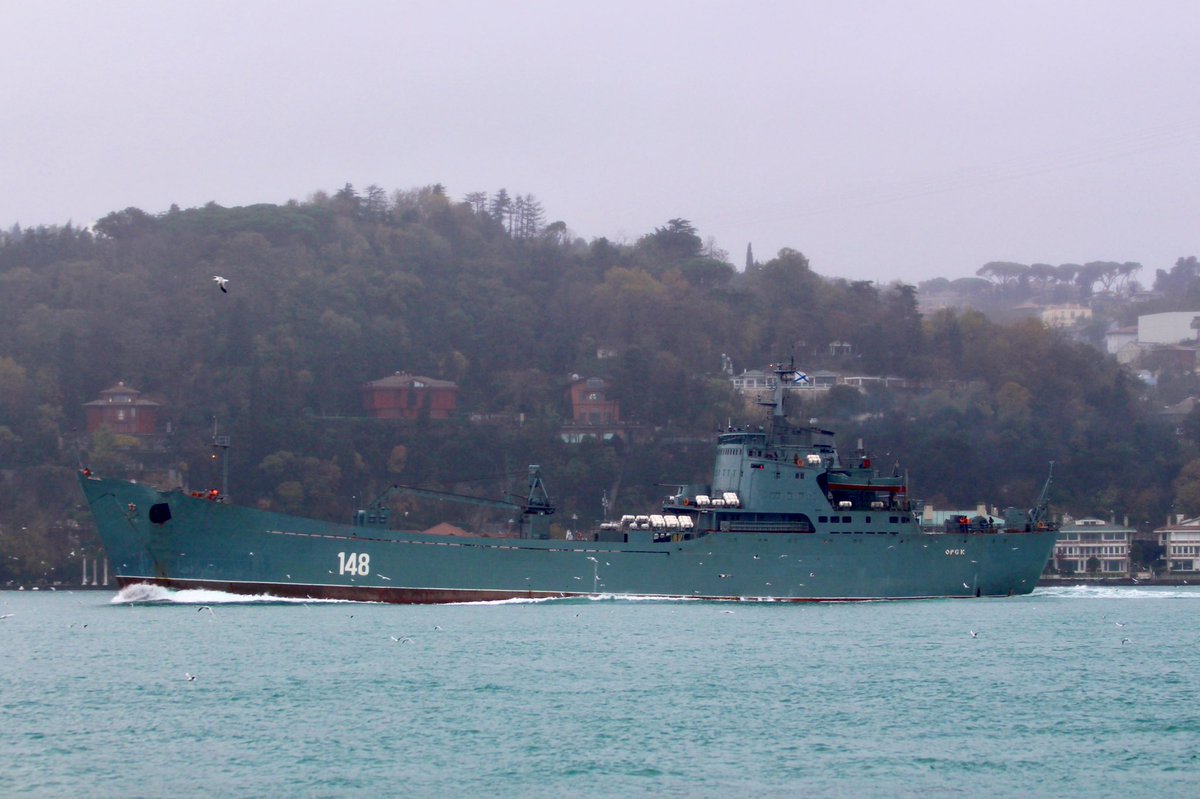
(785, 517)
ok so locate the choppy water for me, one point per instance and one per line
(600, 697)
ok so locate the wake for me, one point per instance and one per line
(1117, 592)
(146, 594)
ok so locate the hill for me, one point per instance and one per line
(330, 293)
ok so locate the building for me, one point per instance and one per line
(1064, 315)
(758, 385)
(121, 409)
(594, 412)
(1093, 546)
(1181, 544)
(1171, 327)
(823, 378)
(1118, 338)
(590, 402)
(405, 396)
(870, 381)
(753, 380)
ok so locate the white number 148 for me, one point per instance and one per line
(358, 563)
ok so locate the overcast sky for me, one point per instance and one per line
(884, 140)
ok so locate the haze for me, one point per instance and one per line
(884, 140)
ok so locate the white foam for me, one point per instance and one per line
(1118, 592)
(514, 601)
(145, 593)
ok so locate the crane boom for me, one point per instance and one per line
(534, 511)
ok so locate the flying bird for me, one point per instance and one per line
(221, 281)
(189, 677)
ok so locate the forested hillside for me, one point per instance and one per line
(327, 294)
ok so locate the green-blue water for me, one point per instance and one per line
(601, 698)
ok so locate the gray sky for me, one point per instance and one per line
(884, 140)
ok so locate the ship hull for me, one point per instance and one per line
(178, 540)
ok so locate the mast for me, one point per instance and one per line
(1042, 509)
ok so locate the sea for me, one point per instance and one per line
(1069, 692)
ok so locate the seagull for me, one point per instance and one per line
(1125, 641)
(189, 677)
(404, 640)
(221, 281)
(1120, 623)
(974, 634)
(966, 586)
(203, 608)
(6, 616)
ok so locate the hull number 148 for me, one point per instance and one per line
(357, 563)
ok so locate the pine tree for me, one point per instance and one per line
(502, 208)
(478, 201)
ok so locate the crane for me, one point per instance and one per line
(536, 509)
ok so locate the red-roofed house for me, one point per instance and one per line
(594, 412)
(405, 396)
(122, 410)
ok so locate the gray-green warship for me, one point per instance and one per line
(784, 518)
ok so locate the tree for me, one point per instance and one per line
(675, 241)
(1087, 276)
(501, 209)
(527, 217)
(1003, 273)
(1042, 275)
(478, 200)
(1181, 281)
(375, 204)
(1187, 489)
(127, 224)
(347, 199)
